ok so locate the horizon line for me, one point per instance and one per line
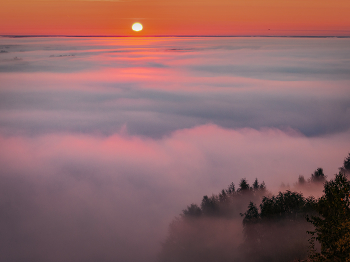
(169, 36)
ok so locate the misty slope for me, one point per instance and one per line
(220, 230)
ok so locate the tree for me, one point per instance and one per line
(210, 206)
(318, 176)
(192, 211)
(211, 231)
(332, 225)
(301, 180)
(346, 166)
(231, 188)
(251, 231)
(278, 232)
(288, 204)
(243, 185)
(256, 184)
(347, 163)
(262, 186)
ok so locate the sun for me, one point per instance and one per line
(137, 27)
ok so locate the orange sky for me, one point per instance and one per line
(180, 17)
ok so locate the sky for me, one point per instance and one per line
(175, 17)
(105, 140)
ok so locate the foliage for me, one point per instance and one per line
(316, 180)
(290, 204)
(210, 231)
(274, 231)
(229, 203)
(318, 176)
(280, 221)
(243, 185)
(301, 180)
(193, 211)
(332, 225)
(346, 166)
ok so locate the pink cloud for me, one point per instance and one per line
(127, 189)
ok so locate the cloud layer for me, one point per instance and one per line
(155, 86)
(104, 141)
(111, 198)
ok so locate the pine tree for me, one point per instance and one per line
(332, 225)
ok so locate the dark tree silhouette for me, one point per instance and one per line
(346, 165)
(332, 225)
(243, 185)
(210, 206)
(193, 210)
(256, 184)
(251, 230)
(318, 176)
(280, 221)
(262, 186)
(274, 231)
(209, 232)
(231, 189)
(301, 180)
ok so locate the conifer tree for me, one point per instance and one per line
(332, 225)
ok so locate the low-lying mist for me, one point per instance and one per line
(247, 224)
(88, 198)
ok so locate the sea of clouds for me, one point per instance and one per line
(105, 140)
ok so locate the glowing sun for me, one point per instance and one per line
(137, 27)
